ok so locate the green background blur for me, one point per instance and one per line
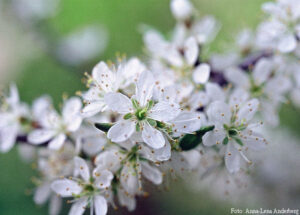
(43, 75)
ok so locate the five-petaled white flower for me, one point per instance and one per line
(88, 190)
(109, 79)
(140, 113)
(232, 129)
(56, 128)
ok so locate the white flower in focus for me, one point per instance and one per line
(140, 114)
(232, 129)
(56, 128)
(87, 191)
(105, 80)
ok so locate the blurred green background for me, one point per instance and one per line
(43, 75)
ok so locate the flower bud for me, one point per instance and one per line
(181, 9)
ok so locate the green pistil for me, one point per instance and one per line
(232, 133)
(141, 114)
(89, 188)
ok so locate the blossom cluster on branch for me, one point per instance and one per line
(154, 120)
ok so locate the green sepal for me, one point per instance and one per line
(225, 141)
(127, 116)
(135, 103)
(152, 122)
(233, 132)
(150, 105)
(239, 141)
(160, 124)
(137, 127)
(103, 126)
(191, 141)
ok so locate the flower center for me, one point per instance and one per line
(141, 114)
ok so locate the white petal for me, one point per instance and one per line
(74, 123)
(126, 200)
(219, 112)
(262, 71)
(100, 205)
(215, 92)
(129, 179)
(254, 141)
(232, 158)
(164, 153)
(121, 131)
(109, 160)
(152, 136)
(57, 142)
(191, 50)
(40, 136)
(8, 137)
(187, 122)
(71, 108)
(151, 173)
(287, 43)
(144, 88)
(13, 98)
(66, 187)
(164, 111)
(42, 193)
(82, 168)
(78, 207)
(93, 108)
(41, 105)
(104, 77)
(55, 205)
(192, 157)
(201, 73)
(102, 177)
(93, 145)
(238, 97)
(132, 69)
(248, 110)
(237, 77)
(213, 137)
(118, 102)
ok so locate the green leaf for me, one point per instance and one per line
(191, 141)
(103, 126)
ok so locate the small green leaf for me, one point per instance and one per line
(225, 141)
(191, 141)
(127, 116)
(103, 126)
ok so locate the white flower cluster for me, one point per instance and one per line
(150, 121)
